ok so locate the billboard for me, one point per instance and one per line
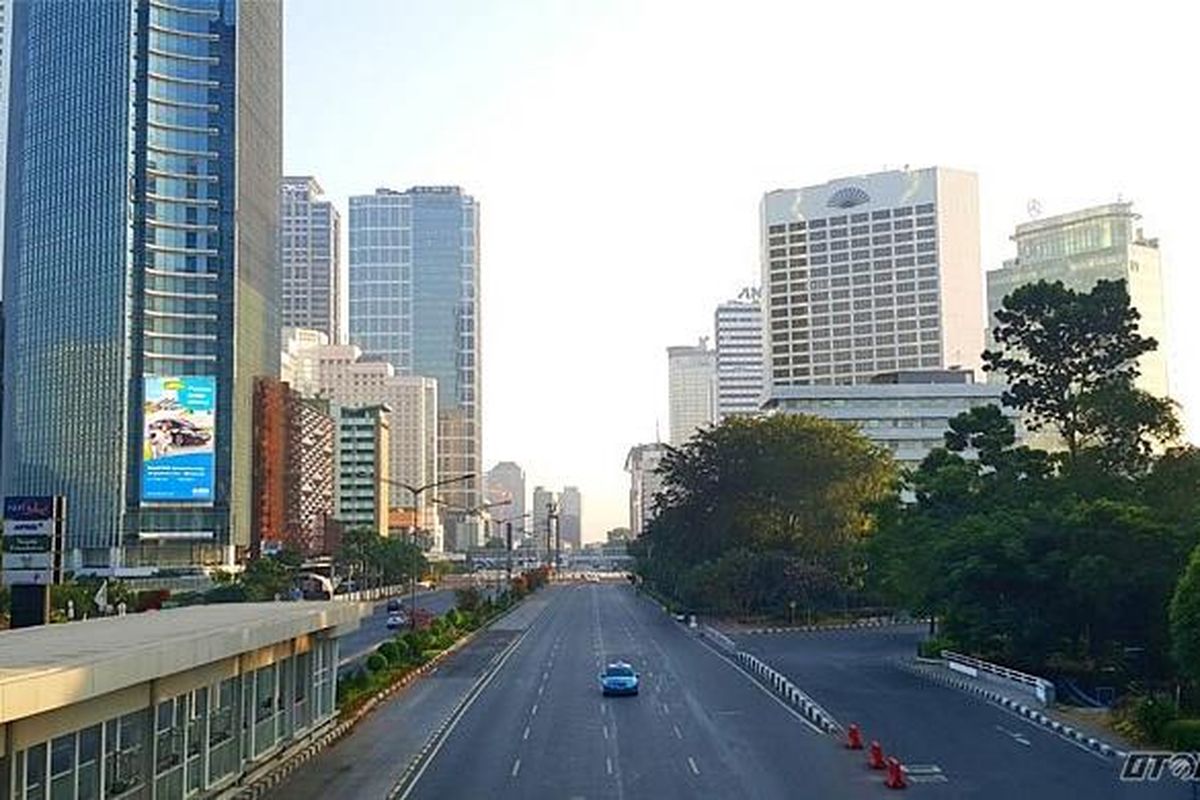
(179, 434)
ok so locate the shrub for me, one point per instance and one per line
(427, 655)
(390, 651)
(1150, 716)
(1182, 734)
(932, 648)
(376, 662)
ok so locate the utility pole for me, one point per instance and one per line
(508, 548)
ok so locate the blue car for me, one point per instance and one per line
(618, 678)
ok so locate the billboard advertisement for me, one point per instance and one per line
(179, 434)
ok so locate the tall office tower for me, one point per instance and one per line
(5, 60)
(692, 389)
(738, 327)
(1083, 247)
(312, 275)
(412, 408)
(644, 482)
(871, 274)
(414, 302)
(544, 501)
(506, 481)
(570, 509)
(141, 277)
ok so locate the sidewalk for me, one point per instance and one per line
(1088, 733)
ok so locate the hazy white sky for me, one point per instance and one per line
(619, 150)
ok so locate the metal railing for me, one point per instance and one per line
(1040, 687)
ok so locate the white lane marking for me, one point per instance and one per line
(602, 708)
(540, 690)
(678, 733)
(608, 764)
(525, 735)
(1017, 737)
(605, 729)
(516, 767)
(692, 764)
(666, 708)
(474, 695)
(764, 690)
(533, 711)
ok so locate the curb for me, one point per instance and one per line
(841, 626)
(260, 786)
(1033, 714)
(790, 693)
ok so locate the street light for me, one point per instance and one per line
(416, 492)
(480, 511)
(508, 521)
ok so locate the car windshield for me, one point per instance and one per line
(618, 672)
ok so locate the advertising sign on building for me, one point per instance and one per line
(33, 531)
(178, 453)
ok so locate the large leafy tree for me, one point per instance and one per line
(1185, 620)
(1070, 361)
(755, 510)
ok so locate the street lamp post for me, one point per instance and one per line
(416, 492)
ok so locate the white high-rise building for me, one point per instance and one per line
(871, 274)
(644, 482)
(1081, 248)
(411, 401)
(738, 328)
(692, 389)
(312, 274)
(295, 369)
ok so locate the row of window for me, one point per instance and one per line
(926, 224)
(862, 216)
(199, 46)
(846, 372)
(159, 113)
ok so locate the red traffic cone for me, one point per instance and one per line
(853, 738)
(875, 757)
(895, 774)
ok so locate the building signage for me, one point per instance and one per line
(179, 433)
(33, 533)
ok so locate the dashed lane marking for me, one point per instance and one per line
(525, 735)
(516, 767)
(692, 764)
(678, 733)
(608, 764)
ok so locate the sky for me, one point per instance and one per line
(620, 149)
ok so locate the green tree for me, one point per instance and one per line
(1070, 361)
(266, 578)
(1185, 620)
(749, 505)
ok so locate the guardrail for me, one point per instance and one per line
(789, 692)
(1041, 688)
(375, 593)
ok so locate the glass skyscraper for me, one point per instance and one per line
(141, 289)
(414, 302)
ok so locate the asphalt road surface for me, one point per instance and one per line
(700, 727)
(981, 750)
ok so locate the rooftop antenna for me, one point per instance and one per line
(657, 437)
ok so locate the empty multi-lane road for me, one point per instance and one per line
(517, 713)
